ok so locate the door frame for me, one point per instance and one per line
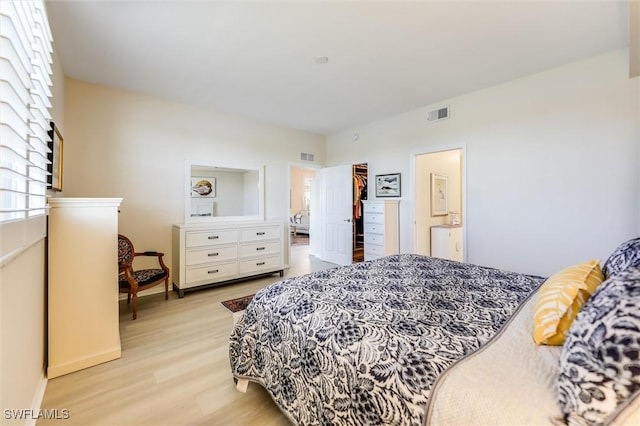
(319, 186)
(290, 164)
(463, 179)
(333, 221)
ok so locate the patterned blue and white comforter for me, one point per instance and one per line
(364, 343)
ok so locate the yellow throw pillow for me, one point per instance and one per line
(560, 298)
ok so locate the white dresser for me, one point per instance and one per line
(213, 254)
(381, 228)
(84, 319)
(446, 242)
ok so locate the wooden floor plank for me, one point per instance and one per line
(174, 368)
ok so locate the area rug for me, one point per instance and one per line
(238, 304)
(299, 240)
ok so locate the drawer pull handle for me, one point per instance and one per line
(260, 263)
(213, 237)
(212, 254)
(213, 271)
(260, 233)
(260, 248)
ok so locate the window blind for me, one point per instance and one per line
(25, 80)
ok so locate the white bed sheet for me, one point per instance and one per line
(510, 381)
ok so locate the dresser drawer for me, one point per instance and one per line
(211, 254)
(205, 238)
(211, 273)
(377, 218)
(373, 208)
(370, 256)
(373, 249)
(206, 255)
(373, 228)
(376, 239)
(257, 265)
(260, 249)
(262, 233)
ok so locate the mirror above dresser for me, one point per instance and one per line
(224, 237)
(220, 192)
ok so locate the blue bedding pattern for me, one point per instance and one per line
(363, 344)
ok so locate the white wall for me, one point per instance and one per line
(551, 162)
(251, 201)
(121, 144)
(23, 330)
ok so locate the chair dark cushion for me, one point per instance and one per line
(143, 277)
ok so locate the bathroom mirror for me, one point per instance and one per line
(219, 192)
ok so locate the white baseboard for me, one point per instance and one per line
(57, 368)
(38, 397)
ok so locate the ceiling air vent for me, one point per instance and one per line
(306, 157)
(438, 114)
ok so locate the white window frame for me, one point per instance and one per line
(25, 80)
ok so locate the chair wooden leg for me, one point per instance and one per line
(134, 305)
(166, 288)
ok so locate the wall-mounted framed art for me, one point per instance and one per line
(388, 185)
(203, 187)
(439, 195)
(54, 178)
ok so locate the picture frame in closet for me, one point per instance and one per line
(439, 194)
(388, 185)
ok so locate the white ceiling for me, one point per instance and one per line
(256, 59)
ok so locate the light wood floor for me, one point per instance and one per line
(174, 368)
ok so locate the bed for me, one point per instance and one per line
(363, 344)
(592, 377)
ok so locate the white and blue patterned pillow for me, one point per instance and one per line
(600, 361)
(625, 256)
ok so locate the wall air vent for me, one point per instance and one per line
(438, 114)
(306, 156)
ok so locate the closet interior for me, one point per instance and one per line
(359, 194)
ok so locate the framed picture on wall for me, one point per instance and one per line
(439, 195)
(54, 178)
(388, 185)
(203, 187)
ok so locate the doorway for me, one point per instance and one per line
(434, 172)
(340, 191)
(360, 178)
(301, 181)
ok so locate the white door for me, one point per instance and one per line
(337, 212)
(315, 219)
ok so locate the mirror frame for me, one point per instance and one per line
(207, 219)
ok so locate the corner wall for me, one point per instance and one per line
(122, 144)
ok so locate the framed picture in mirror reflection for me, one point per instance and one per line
(203, 187)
